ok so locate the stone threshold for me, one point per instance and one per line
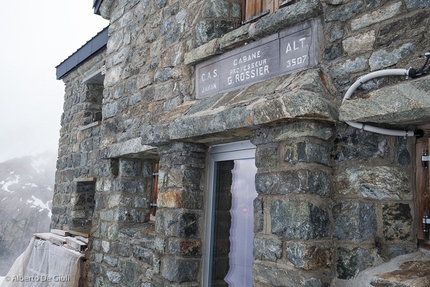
(410, 270)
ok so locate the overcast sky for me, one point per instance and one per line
(36, 36)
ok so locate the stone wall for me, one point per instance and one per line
(79, 161)
(332, 200)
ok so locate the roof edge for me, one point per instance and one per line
(98, 42)
(96, 6)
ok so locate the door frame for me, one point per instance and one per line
(223, 152)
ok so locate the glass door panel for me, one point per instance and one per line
(232, 224)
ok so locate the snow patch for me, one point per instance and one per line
(38, 203)
(39, 163)
(9, 183)
(31, 184)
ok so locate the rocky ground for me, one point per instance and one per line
(26, 190)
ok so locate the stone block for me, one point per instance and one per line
(394, 251)
(376, 16)
(184, 247)
(397, 222)
(235, 38)
(352, 260)
(298, 220)
(130, 273)
(374, 182)
(96, 268)
(131, 186)
(143, 254)
(178, 223)
(96, 257)
(105, 246)
(123, 250)
(285, 17)
(203, 52)
(310, 257)
(294, 130)
(106, 215)
(354, 144)
(113, 276)
(110, 110)
(180, 270)
(163, 76)
(332, 52)
(216, 9)
(383, 59)
(258, 215)
(402, 28)
(411, 4)
(402, 156)
(306, 151)
(293, 181)
(350, 66)
(267, 156)
(180, 199)
(141, 202)
(112, 232)
(292, 105)
(354, 221)
(267, 248)
(276, 276)
(344, 12)
(182, 178)
(411, 103)
(218, 29)
(111, 261)
(360, 43)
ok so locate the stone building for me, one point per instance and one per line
(204, 143)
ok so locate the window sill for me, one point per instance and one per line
(285, 17)
(94, 124)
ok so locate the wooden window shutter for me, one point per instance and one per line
(253, 9)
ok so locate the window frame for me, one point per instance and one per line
(271, 6)
(223, 152)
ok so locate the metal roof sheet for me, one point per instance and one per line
(98, 42)
(96, 6)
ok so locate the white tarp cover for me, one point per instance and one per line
(44, 264)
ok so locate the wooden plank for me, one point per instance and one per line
(44, 236)
(84, 232)
(57, 239)
(83, 239)
(60, 232)
(54, 238)
(86, 179)
(76, 244)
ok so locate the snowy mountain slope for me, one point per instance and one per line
(26, 190)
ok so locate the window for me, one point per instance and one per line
(230, 216)
(154, 196)
(423, 188)
(254, 9)
(83, 204)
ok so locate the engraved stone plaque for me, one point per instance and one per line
(286, 52)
